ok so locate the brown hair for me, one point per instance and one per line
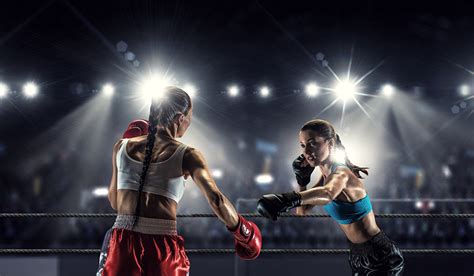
(326, 130)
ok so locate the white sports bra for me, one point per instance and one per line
(163, 178)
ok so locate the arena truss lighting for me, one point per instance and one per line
(388, 90)
(108, 90)
(30, 90)
(190, 89)
(264, 92)
(312, 89)
(233, 91)
(3, 90)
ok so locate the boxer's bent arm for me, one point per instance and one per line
(327, 193)
(113, 181)
(195, 165)
(303, 209)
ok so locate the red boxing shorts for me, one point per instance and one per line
(151, 248)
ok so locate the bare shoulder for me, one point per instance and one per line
(118, 144)
(193, 154)
(139, 141)
(352, 179)
(343, 171)
(193, 159)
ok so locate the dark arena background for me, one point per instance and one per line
(395, 80)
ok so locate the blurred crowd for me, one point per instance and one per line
(48, 188)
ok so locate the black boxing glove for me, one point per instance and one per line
(302, 171)
(271, 205)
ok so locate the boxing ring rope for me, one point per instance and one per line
(231, 251)
(204, 215)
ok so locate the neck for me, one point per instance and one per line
(166, 134)
(325, 167)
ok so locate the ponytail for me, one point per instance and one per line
(355, 169)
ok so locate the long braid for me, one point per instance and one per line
(153, 119)
(162, 112)
(355, 169)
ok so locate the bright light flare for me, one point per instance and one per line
(388, 90)
(3, 90)
(339, 156)
(264, 179)
(264, 92)
(464, 90)
(108, 90)
(345, 90)
(30, 90)
(217, 174)
(190, 89)
(100, 192)
(233, 91)
(152, 87)
(312, 89)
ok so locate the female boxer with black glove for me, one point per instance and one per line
(344, 198)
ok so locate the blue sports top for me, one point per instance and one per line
(347, 212)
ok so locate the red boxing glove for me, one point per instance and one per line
(248, 239)
(136, 128)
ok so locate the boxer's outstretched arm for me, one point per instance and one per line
(195, 165)
(303, 209)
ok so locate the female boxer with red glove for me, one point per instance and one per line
(146, 186)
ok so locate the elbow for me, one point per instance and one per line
(114, 206)
(330, 194)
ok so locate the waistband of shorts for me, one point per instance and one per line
(380, 240)
(152, 226)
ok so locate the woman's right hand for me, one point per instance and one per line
(302, 170)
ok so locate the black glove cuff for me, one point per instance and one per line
(293, 198)
(303, 181)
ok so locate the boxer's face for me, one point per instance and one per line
(315, 148)
(184, 122)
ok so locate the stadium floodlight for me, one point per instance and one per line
(30, 90)
(152, 87)
(264, 179)
(312, 89)
(100, 192)
(217, 173)
(233, 91)
(3, 90)
(464, 90)
(108, 89)
(264, 92)
(388, 90)
(345, 90)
